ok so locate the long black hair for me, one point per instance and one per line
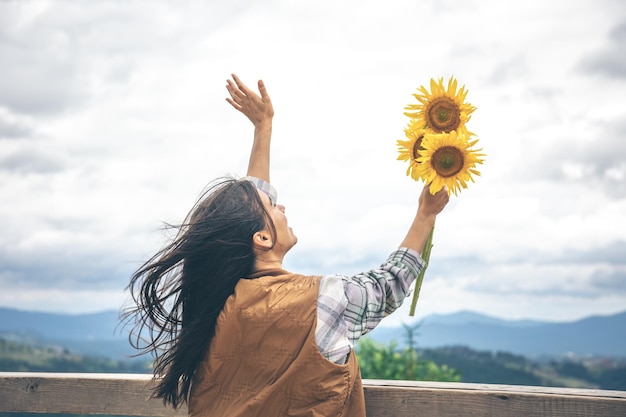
(180, 291)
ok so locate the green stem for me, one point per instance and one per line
(418, 282)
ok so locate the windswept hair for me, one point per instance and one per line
(181, 290)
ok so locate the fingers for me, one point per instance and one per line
(443, 192)
(433, 203)
(235, 91)
(264, 96)
(234, 98)
(242, 88)
(257, 108)
(441, 196)
(239, 92)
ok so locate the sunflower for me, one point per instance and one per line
(448, 159)
(410, 149)
(442, 109)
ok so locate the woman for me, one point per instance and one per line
(233, 333)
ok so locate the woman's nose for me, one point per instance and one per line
(281, 208)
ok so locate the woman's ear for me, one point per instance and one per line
(262, 240)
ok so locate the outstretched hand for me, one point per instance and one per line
(433, 204)
(257, 108)
(430, 205)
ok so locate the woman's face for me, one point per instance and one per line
(285, 238)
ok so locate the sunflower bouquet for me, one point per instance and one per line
(439, 148)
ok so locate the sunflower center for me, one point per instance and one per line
(443, 115)
(416, 147)
(447, 161)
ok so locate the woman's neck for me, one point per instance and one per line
(268, 260)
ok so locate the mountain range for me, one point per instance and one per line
(591, 336)
(100, 333)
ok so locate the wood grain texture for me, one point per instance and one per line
(124, 394)
(129, 394)
(490, 401)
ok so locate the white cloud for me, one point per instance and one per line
(609, 60)
(112, 119)
(67, 301)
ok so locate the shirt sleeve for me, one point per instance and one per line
(351, 306)
(264, 186)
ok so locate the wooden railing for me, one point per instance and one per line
(129, 394)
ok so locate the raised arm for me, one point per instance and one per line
(370, 296)
(260, 111)
(429, 206)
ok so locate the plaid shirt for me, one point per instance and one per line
(350, 306)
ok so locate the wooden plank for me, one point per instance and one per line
(585, 392)
(403, 401)
(129, 394)
(122, 394)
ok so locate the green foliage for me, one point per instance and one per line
(381, 361)
(460, 363)
(602, 372)
(507, 368)
(486, 367)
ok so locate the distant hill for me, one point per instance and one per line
(466, 317)
(597, 335)
(470, 365)
(100, 333)
(61, 326)
(96, 334)
(16, 357)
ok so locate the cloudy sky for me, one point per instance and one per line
(113, 119)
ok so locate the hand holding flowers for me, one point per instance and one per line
(440, 150)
